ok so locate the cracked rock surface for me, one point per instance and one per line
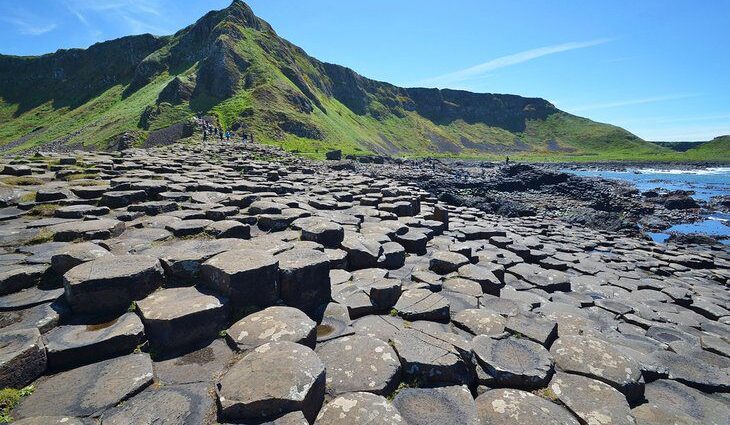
(206, 283)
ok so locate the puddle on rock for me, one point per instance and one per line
(100, 326)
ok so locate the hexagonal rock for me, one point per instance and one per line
(542, 331)
(547, 280)
(320, 230)
(414, 241)
(422, 304)
(515, 407)
(174, 404)
(29, 298)
(479, 322)
(304, 276)
(202, 365)
(692, 371)
(122, 198)
(444, 262)
(288, 377)
(437, 406)
(598, 359)
(490, 283)
(79, 211)
(76, 254)
(75, 345)
(669, 402)
(363, 297)
(110, 283)
(359, 363)
(273, 324)
(512, 362)
(95, 388)
(440, 358)
(180, 317)
(188, 227)
(246, 277)
(22, 357)
(103, 228)
(393, 256)
(359, 409)
(592, 401)
(16, 278)
(229, 229)
(362, 252)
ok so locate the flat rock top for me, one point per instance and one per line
(241, 260)
(172, 303)
(273, 324)
(88, 390)
(108, 268)
(508, 406)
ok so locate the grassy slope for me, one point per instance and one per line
(99, 121)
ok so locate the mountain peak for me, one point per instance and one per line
(241, 13)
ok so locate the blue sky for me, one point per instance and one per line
(661, 69)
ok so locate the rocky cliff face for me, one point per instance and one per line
(233, 65)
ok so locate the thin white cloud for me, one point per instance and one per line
(28, 27)
(629, 102)
(476, 71)
(138, 16)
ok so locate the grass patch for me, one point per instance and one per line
(27, 197)
(9, 398)
(547, 394)
(22, 181)
(43, 236)
(43, 210)
(81, 176)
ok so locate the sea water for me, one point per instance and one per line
(705, 182)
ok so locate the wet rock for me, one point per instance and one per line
(513, 362)
(180, 317)
(359, 363)
(22, 357)
(516, 407)
(110, 283)
(290, 377)
(95, 388)
(273, 324)
(447, 405)
(358, 409)
(76, 345)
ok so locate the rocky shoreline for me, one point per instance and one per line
(203, 283)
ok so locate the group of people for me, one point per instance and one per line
(213, 132)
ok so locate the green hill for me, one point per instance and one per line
(232, 65)
(717, 149)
